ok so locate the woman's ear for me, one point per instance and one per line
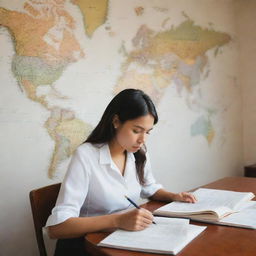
(116, 121)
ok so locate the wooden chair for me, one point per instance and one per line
(42, 201)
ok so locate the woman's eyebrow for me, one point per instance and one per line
(142, 128)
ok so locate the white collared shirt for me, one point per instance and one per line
(94, 186)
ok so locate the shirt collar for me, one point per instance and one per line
(105, 156)
(130, 156)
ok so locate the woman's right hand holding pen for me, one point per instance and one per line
(134, 220)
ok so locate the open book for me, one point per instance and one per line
(245, 218)
(168, 236)
(212, 205)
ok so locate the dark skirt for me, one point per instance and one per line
(70, 247)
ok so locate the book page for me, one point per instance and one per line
(246, 217)
(167, 236)
(222, 198)
(219, 201)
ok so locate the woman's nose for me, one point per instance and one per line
(142, 138)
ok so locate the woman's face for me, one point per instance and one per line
(132, 134)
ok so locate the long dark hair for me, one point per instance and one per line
(129, 104)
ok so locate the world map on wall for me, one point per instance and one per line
(45, 43)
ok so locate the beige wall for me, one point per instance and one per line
(246, 25)
(180, 161)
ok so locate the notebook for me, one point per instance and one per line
(167, 236)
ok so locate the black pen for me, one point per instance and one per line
(135, 205)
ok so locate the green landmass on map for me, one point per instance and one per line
(94, 13)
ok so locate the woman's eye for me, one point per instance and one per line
(135, 131)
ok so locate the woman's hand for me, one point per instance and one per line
(185, 197)
(134, 220)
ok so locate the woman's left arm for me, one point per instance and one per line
(166, 196)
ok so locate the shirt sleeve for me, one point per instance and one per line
(73, 191)
(150, 187)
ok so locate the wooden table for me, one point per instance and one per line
(214, 241)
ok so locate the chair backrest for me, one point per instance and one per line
(42, 201)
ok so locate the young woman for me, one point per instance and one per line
(112, 163)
